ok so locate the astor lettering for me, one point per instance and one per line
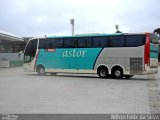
(74, 53)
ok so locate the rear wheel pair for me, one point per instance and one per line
(117, 73)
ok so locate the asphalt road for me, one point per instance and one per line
(22, 92)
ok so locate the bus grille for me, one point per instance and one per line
(136, 66)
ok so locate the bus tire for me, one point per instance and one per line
(117, 73)
(41, 70)
(102, 72)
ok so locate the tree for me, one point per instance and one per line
(157, 31)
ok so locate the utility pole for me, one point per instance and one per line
(117, 29)
(72, 26)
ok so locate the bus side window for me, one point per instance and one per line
(116, 41)
(82, 42)
(104, 41)
(96, 42)
(44, 44)
(70, 42)
(56, 43)
(89, 42)
(85, 42)
(100, 42)
(135, 40)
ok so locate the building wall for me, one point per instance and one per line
(11, 59)
(11, 56)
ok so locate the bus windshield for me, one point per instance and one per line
(30, 51)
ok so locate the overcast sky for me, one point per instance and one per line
(52, 17)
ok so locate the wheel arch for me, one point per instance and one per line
(117, 66)
(39, 65)
(102, 65)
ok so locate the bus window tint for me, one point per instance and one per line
(44, 43)
(89, 42)
(104, 41)
(70, 42)
(85, 42)
(116, 41)
(96, 42)
(100, 42)
(56, 43)
(81, 42)
(135, 40)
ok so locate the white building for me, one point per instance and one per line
(10, 46)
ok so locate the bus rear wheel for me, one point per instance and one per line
(117, 73)
(103, 72)
(41, 70)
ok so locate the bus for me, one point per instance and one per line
(108, 55)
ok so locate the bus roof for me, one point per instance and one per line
(95, 35)
(91, 35)
(86, 35)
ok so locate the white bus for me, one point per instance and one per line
(116, 55)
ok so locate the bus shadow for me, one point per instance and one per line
(61, 75)
(90, 77)
(138, 79)
(31, 74)
(76, 76)
(108, 78)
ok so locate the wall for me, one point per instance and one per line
(11, 59)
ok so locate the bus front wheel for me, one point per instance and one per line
(41, 70)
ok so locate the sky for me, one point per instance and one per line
(33, 18)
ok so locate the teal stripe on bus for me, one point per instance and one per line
(68, 58)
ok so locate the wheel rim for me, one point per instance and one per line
(41, 70)
(117, 73)
(103, 73)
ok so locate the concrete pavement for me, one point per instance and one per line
(29, 93)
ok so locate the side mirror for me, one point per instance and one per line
(21, 52)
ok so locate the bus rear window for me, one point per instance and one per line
(135, 40)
